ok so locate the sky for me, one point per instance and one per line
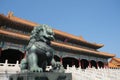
(97, 21)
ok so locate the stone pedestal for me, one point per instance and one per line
(41, 76)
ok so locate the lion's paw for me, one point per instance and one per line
(36, 69)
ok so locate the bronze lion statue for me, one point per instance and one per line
(39, 52)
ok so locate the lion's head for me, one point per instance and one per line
(42, 33)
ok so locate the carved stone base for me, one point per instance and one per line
(41, 76)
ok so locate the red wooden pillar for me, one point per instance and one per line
(73, 63)
(82, 64)
(106, 65)
(24, 54)
(61, 60)
(79, 62)
(97, 64)
(90, 64)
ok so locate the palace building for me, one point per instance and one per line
(114, 63)
(69, 49)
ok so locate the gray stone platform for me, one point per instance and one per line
(41, 76)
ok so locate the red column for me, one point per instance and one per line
(61, 60)
(82, 64)
(106, 65)
(97, 64)
(89, 64)
(79, 62)
(24, 54)
(73, 63)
